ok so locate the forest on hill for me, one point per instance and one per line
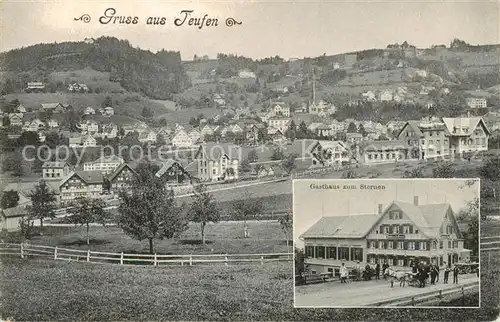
(156, 75)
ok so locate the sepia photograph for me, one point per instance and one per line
(392, 242)
(149, 149)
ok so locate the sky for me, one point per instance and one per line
(290, 29)
(309, 205)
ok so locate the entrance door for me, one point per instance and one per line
(449, 260)
(423, 155)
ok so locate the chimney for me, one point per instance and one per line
(415, 200)
(380, 208)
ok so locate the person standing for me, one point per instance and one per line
(343, 273)
(384, 270)
(455, 274)
(446, 274)
(436, 266)
(433, 274)
(377, 271)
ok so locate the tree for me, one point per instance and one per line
(361, 130)
(247, 208)
(86, 211)
(43, 203)
(9, 199)
(203, 209)
(299, 261)
(26, 227)
(252, 156)
(491, 169)
(444, 170)
(415, 173)
(107, 100)
(352, 128)
(148, 210)
(289, 163)
(147, 112)
(303, 131)
(291, 131)
(277, 154)
(245, 166)
(286, 225)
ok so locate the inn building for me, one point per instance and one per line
(399, 234)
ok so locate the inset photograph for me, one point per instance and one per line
(386, 243)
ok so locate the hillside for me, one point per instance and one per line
(156, 75)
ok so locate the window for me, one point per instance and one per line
(331, 252)
(387, 156)
(372, 244)
(434, 244)
(396, 230)
(406, 229)
(386, 229)
(430, 133)
(411, 245)
(423, 142)
(357, 254)
(401, 245)
(320, 251)
(449, 243)
(394, 155)
(343, 253)
(389, 244)
(310, 251)
(431, 142)
(438, 142)
(369, 157)
(423, 246)
(400, 262)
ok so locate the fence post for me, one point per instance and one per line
(463, 296)
(55, 253)
(121, 258)
(88, 255)
(440, 294)
(22, 250)
(261, 260)
(412, 301)
(225, 257)
(191, 260)
(155, 263)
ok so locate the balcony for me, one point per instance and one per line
(405, 252)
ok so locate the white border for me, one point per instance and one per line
(390, 307)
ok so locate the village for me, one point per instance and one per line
(247, 145)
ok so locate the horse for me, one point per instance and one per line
(398, 275)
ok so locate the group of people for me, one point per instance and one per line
(421, 270)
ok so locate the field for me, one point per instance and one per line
(222, 238)
(88, 76)
(31, 290)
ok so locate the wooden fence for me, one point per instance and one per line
(58, 253)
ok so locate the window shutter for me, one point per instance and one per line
(417, 246)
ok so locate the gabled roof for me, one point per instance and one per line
(167, 165)
(354, 226)
(385, 145)
(459, 123)
(109, 159)
(214, 151)
(118, 170)
(50, 105)
(89, 177)
(54, 164)
(18, 211)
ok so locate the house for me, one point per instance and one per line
(105, 164)
(426, 90)
(467, 134)
(89, 110)
(109, 111)
(55, 170)
(172, 172)
(476, 102)
(245, 73)
(52, 123)
(421, 73)
(330, 153)
(195, 135)
(369, 96)
(302, 108)
(33, 126)
(317, 108)
(182, 140)
(207, 130)
(16, 119)
(386, 151)
(353, 138)
(75, 87)
(395, 125)
(10, 217)
(109, 131)
(35, 86)
(90, 127)
(492, 120)
(20, 109)
(386, 95)
(217, 162)
(426, 139)
(219, 99)
(276, 135)
(82, 141)
(399, 235)
(81, 184)
(120, 179)
(280, 123)
(147, 136)
(324, 130)
(54, 107)
(280, 109)
(41, 136)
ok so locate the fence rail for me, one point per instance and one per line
(57, 253)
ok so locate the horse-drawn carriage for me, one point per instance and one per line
(412, 279)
